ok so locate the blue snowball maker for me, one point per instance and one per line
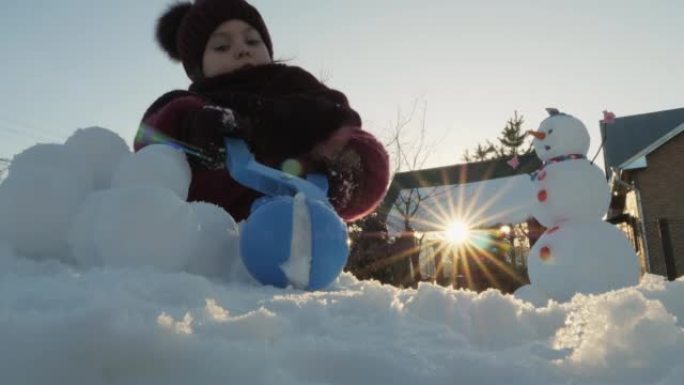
(272, 231)
(267, 236)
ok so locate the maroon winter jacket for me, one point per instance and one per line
(292, 112)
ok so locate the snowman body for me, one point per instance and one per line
(579, 252)
(571, 189)
(581, 256)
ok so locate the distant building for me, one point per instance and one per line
(489, 196)
(644, 161)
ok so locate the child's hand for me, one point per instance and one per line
(208, 126)
(334, 145)
(220, 120)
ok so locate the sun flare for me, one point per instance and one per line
(458, 232)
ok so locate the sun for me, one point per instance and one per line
(457, 232)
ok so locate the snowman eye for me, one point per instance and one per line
(550, 131)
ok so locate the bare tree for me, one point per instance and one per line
(409, 150)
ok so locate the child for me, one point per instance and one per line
(289, 119)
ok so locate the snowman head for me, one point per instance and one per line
(560, 134)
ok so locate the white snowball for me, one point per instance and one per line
(584, 257)
(39, 199)
(99, 149)
(574, 190)
(565, 135)
(81, 237)
(49, 157)
(218, 242)
(155, 165)
(135, 226)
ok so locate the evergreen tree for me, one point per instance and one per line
(512, 141)
(481, 153)
(369, 256)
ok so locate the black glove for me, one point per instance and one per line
(205, 131)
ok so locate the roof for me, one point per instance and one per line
(639, 159)
(630, 135)
(480, 204)
(471, 179)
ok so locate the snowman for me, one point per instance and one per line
(579, 252)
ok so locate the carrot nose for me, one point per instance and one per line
(537, 134)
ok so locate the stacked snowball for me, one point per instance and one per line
(579, 252)
(92, 202)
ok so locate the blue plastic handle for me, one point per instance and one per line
(247, 171)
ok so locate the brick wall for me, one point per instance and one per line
(662, 196)
(634, 230)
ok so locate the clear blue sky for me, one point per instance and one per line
(77, 63)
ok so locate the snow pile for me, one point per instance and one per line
(91, 202)
(132, 326)
(122, 284)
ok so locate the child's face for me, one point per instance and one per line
(233, 45)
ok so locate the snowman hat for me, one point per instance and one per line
(555, 113)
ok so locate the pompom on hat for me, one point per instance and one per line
(184, 29)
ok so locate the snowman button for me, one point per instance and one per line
(545, 253)
(542, 195)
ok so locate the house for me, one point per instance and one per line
(489, 196)
(644, 161)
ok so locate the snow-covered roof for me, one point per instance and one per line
(485, 193)
(629, 135)
(481, 204)
(639, 159)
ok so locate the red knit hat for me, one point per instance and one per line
(184, 29)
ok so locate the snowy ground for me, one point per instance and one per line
(60, 325)
(107, 276)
